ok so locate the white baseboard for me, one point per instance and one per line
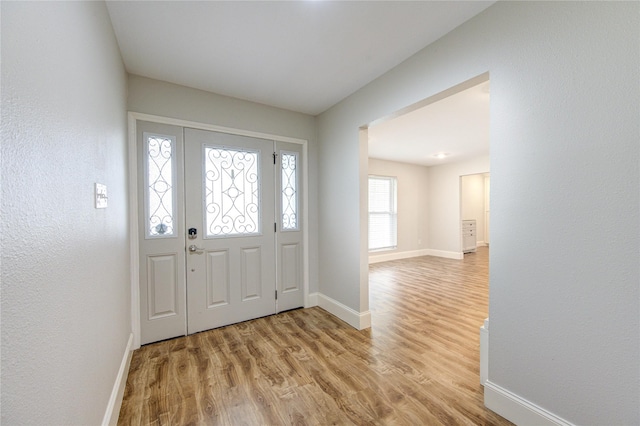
(414, 253)
(484, 352)
(312, 300)
(448, 254)
(117, 393)
(358, 320)
(397, 255)
(516, 409)
(481, 244)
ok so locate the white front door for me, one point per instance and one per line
(220, 230)
(229, 182)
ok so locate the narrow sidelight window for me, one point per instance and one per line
(289, 190)
(159, 185)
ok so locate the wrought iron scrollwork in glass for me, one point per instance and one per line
(289, 191)
(232, 192)
(160, 186)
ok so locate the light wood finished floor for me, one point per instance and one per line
(417, 365)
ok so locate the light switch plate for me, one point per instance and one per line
(101, 196)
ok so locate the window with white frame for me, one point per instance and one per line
(383, 215)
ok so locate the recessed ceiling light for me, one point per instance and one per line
(440, 155)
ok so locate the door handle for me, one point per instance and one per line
(194, 249)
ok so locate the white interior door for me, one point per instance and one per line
(161, 232)
(229, 192)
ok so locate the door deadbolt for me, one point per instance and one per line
(193, 233)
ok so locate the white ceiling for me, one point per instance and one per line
(306, 56)
(299, 55)
(457, 125)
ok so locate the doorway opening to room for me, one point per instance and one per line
(475, 211)
(425, 149)
(424, 277)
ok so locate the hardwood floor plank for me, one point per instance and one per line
(418, 364)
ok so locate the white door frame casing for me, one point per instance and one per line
(133, 117)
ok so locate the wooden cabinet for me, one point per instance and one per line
(469, 234)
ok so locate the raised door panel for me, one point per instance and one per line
(162, 286)
(218, 291)
(251, 273)
(290, 270)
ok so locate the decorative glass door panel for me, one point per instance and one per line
(232, 192)
(159, 160)
(289, 191)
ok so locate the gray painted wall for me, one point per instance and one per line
(564, 298)
(65, 265)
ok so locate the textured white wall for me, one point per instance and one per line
(342, 189)
(412, 202)
(170, 100)
(565, 154)
(564, 298)
(65, 268)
